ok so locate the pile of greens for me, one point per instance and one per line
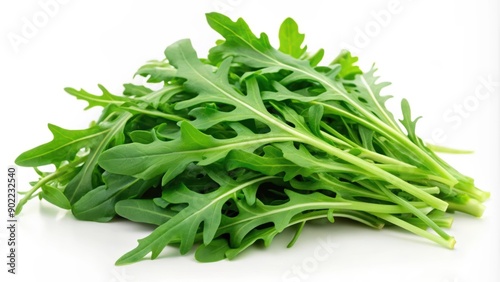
(222, 152)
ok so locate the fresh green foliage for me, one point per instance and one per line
(235, 148)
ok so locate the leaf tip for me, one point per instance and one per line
(69, 89)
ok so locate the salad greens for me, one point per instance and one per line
(224, 151)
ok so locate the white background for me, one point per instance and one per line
(437, 55)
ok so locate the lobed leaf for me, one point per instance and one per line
(99, 203)
(290, 39)
(157, 71)
(143, 211)
(63, 147)
(83, 182)
(102, 101)
(348, 68)
(170, 158)
(184, 226)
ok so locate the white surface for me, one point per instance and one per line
(436, 55)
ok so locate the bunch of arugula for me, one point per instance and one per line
(235, 148)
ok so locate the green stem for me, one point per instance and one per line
(349, 189)
(151, 97)
(471, 206)
(154, 113)
(382, 158)
(297, 234)
(430, 190)
(449, 243)
(308, 138)
(382, 174)
(415, 212)
(472, 191)
(335, 135)
(416, 173)
(44, 180)
(375, 124)
(442, 149)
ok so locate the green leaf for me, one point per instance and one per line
(142, 136)
(184, 226)
(161, 97)
(170, 158)
(64, 146)
(290, 39)
(343, 188)
(281, 216)
(271, 163)
(99, 203)
(213, 87)
(347, 63)
(367, 138)
(102, 101)
(316, 58)
(304, 158)
(144, 211)
(282, 94)
(410, 124)
(264, 234)
(242, 43)
(314, 118)
(238, 34)
(247, 143)
(55, 197)
(157, 71)
(135, 90)
(244, 47)
(250, 217)
(214, 251)
(220, 248)
(368, 92)
(84, 180)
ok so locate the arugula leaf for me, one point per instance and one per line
(220, 248)
(255, 52)
(231, 150)
(64, 147)
(170, 158)
(348, 69)
(104, 100)
(271, 163)
(99, 203)
(55, 197)
(157, 71)
(83, 181)
(368, 91)
(144, 211)
(184, 226)
(250, 217)
(290, 39)
(410, 124)
(135, 90)
(214, 87)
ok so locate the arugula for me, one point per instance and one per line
(235, 148)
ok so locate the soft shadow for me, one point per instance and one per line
(50, 210)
